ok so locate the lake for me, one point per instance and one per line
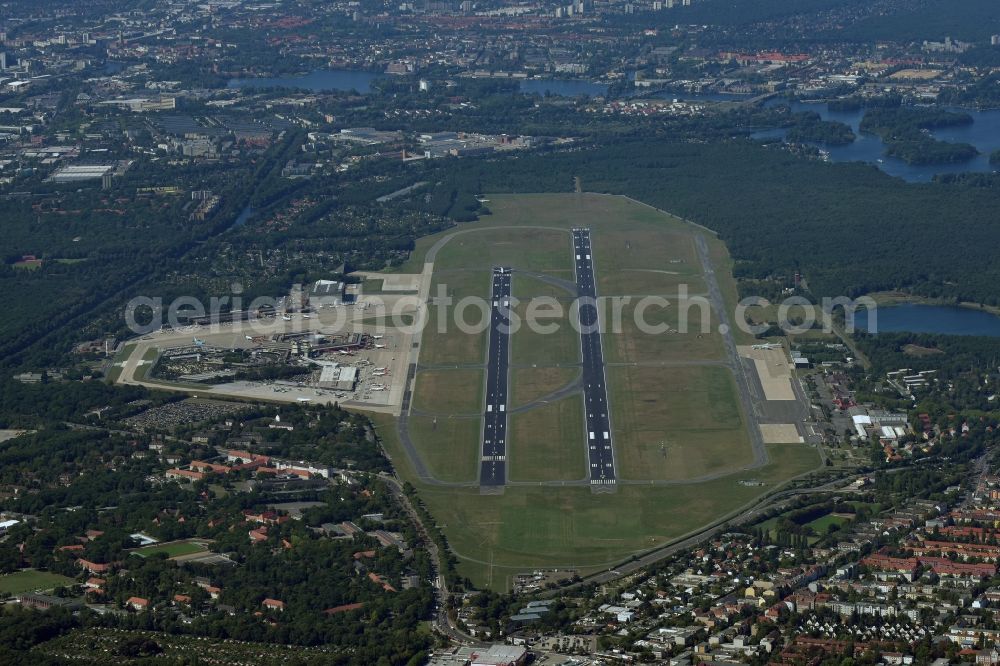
(321, 80)
(983, 133)
(563, 87)
(920, 318)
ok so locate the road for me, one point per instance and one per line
(595, 390)
(493, 465)
(442, 621)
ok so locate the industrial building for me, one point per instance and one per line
(494, 655)
(326, 293)
(78, 173)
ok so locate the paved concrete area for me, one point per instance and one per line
(493, 465)
(600, 450)
(780, 433)
(773, 370)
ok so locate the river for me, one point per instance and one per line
(921, 318)
(242, 218)
(983, 133)
(321, 80)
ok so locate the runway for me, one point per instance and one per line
(599, 447)
(493, 462)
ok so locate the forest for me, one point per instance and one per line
(965, 370)
(927, 19)
(905, 133)
(810, 128)
(849, 228)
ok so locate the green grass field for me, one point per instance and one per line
(647, 331)
(449, 446)
(548, 443)
(449, 392)
(822, 525)
(544, 340)
(570, 527)
(174, 549)
(443, 341)
(29, 581)
(539, 250)
(676, 423)
(530, 384)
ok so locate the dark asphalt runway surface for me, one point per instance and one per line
(493, 463)
(599, 448)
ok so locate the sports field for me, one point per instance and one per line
(30, 581)
(173, 549)
(676, 414)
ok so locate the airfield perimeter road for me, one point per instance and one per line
(493, 465)
(595, 390)
(743, 383)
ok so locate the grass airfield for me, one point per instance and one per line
(680, 436)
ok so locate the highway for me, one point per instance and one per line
(598, 417)
(493, 463)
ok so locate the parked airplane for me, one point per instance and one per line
(379, 346)
(286, 317)
(200, 343)
(377, 337)
(304, 399)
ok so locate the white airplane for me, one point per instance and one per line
(286, 317)
(377, 337)
(378, 374)
(304, 399)
(305, 316)
(200, 343)
(379, 346)
(381, 369)
(248, 337)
